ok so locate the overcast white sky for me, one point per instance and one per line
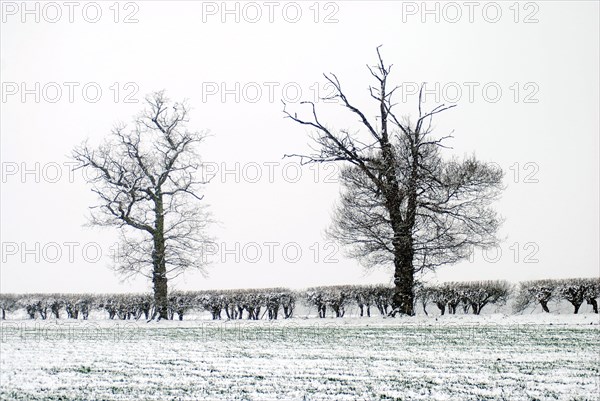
(542, 128)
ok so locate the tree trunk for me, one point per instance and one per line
(404, 296)
(545, 306)
(590, 301)
(159, 276)
(576, 305)
(160, 294)
(404, 280)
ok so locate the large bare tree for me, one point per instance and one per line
(402, 203)
(146, 181)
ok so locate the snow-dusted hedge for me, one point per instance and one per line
(252, 304)
(275, 303)
(338, 298)
(537, 291)
(379, 296)
(471, 296)
(8, 303)
(573, 290)
(335, 297)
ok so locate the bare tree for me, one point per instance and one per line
(147, 186)
(403, 204)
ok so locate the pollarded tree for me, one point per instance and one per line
(72, 306)
(315, 296)
(337, 298)
(142, 305)
(574, 291)
(230, 304)
(424, 295)
(212, 302)
(55, 303)
(106, 302)
(288, 303)
(481, 293)
(364, 297)
(455, 294)
(274, 299)
(439, 296)
(146, 181)
(255, 300)
(8, 303)
(403, 204)
(272, 303)
(530, 292)
(31, 303)
(383, 296)
(249, 300)
(180, 303)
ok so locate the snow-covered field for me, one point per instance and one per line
(489, 357)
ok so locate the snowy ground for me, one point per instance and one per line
(462, 357)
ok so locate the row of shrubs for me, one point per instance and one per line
(273, 303)
(234, 304)
(471, 296)
(474, 296)
(542, 292)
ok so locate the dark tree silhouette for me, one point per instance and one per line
(403, 204)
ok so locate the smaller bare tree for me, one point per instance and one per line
(146, 181)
